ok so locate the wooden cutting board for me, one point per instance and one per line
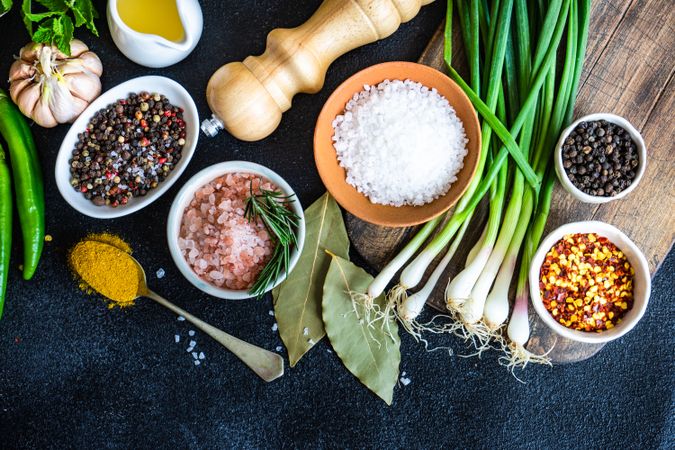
(628, 71)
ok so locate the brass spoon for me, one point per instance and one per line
(265, 364)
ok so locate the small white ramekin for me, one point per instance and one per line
(641, 281)
(634, 134)
(185, 196)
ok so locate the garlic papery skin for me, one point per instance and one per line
(51, 87)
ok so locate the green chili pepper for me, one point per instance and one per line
(30, 200)
(5, 225)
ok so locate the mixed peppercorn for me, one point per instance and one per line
(586, 283)
(128, 148)
(600, 158)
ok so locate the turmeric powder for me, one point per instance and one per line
(110, 239)
(107, 269)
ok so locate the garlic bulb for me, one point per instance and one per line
(51, 87)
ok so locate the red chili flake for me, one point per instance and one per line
(17, 340)
(144, 142)
(586, 282)
(162, 160)
(83, 189)
(167, 113)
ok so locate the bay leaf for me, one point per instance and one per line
(371, 352)
(297, 301)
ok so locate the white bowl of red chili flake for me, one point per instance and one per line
(218, 247)
(589, 282)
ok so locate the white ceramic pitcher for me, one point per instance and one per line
(151, 50)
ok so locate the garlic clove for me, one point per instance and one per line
(17, 87)
(77, 47)
(70, 66)
(30, 51)
(27, 98)
(19, 70)
(79, 105)
(92, 62)
(86, 62)
(85, 86)
(42, 114)
(63, 105)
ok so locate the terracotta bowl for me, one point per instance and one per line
(333, 175)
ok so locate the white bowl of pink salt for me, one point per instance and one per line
(215, 245)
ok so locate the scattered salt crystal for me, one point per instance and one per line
(400, 143)
(177, 338)
(160, 273)
(270, 312)
(405, 381)
(190, 348)
(310, 341)
(197, 362)
(195, 355)
(193, 343)
(201, 355)
(403, 374)
(275, 327)
(329, 350)
(191, 332)
(279, 348)
(181, 318)
(305, 332)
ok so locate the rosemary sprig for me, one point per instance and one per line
(273, 208)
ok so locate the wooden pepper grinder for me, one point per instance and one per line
(247, 98)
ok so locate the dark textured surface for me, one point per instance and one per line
(75, 374)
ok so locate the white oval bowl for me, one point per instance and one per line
(634, 134)
(177, 95)
(185, 196)
(641, 281)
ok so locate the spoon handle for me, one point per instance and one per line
(265, 364)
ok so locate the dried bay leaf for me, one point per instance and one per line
(371, 353)
(297, 301)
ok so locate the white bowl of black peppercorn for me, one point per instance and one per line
(600, 157)
(177, 96)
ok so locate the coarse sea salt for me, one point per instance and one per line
(400, 143)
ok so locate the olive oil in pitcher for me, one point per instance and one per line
(158, 17)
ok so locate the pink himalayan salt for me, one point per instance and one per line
(218, 242)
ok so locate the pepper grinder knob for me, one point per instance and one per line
(249, 97)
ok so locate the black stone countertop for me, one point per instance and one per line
(75, 374)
